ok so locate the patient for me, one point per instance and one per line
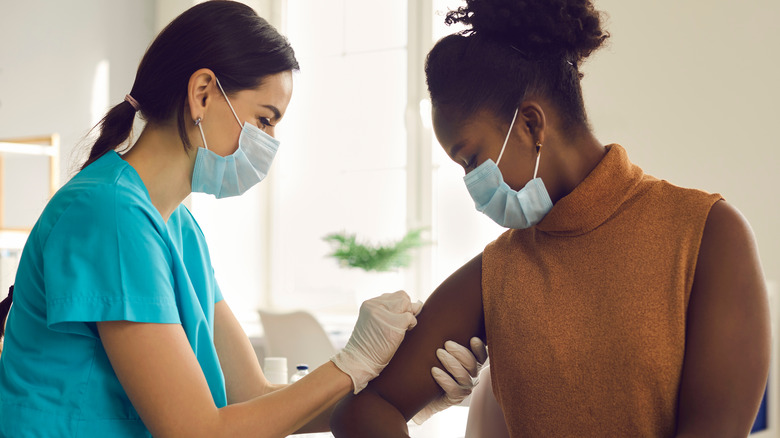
(617, 304)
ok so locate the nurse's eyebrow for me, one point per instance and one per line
(275, 110)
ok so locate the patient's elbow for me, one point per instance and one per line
(367, 414)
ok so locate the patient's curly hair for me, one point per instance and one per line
(512, 50)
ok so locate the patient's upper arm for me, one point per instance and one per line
(453, 312)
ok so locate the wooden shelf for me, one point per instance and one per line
(45, 146)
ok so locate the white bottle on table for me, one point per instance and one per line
(303, 370)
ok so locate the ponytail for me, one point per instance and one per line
(115, 129)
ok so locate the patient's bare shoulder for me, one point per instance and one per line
(452, 312)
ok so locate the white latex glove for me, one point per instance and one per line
(463, 366)
(380, 328)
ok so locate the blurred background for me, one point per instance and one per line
(688, 88)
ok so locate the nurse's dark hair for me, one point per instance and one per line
(513, 50)
(227, 37)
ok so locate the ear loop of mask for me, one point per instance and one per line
(538, 154)
(511, 125)
(197, 123)
(538, 145)
(229, 104)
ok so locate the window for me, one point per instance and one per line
(342, 163)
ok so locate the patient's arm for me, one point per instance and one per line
(453, 312)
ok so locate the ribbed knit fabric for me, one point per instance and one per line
(585, 312)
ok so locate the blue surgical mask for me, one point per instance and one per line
(238, 172)
(508, 208)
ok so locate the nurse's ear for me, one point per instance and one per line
(200, 92)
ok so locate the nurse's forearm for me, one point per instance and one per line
(294, 406)
(321, 423)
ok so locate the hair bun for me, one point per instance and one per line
(570, 28)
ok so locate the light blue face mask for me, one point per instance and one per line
(238, 172)
(508, 208)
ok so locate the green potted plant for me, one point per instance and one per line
(381, 261)
(352, 253)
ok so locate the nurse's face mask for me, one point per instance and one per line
(507, 207)
(238, 172)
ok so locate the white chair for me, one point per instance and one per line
(298, 336)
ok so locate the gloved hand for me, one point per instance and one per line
(464, 366)
(380, 328)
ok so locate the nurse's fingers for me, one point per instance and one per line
(479, 349)
(459, 371)
(464, 356)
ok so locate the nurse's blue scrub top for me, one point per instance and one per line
(99, 252)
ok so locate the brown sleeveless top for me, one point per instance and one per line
(585, 312)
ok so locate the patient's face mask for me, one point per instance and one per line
(238, 172)
(507, 207)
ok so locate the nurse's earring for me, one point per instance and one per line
(197, 123)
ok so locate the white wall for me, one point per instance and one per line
(61, 65)
(51, 76)
(691, 90)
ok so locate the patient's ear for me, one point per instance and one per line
(531, 123)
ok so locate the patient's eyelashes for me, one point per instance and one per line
(467, 163)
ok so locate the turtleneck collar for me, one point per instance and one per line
(596, 198)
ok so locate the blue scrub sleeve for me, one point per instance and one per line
(217, 293)
(106, 259)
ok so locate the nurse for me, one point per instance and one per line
(118, 327)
